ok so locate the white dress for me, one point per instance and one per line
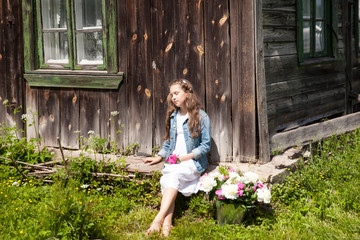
(183, 176)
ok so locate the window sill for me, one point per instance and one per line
(318, 61)
(73, 79)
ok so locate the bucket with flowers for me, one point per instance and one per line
(234, 193)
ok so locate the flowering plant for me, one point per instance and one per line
(173, 159)
(227, 185)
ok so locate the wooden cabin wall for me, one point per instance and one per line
(11, 54)
(298, 95)
(209, 42)
(355, 62)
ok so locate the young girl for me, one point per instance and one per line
(188, 136)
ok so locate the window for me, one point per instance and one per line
(71, 43)
(357, 26)
(314, 29)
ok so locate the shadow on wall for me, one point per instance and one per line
(214, 157)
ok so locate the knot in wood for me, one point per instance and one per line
(134, 37)
(148, 93)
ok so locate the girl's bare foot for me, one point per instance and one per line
(155, 227)
(166, 230)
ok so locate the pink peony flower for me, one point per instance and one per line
(241, 192)
(259, 185)
(241, 186)
(254, 188)
(173, 159)
(227, 176)
(219, 192)
(231, 170)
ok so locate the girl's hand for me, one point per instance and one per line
(152, 160)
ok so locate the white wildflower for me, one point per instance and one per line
(25, 117)
(5, 101)
(207, 183)
(230, 191)
(234, 178)
(217, 175)
(91, 132)
(251, 177)
(15, 184)
(114, 113)
(84, 186)
(263, 195)
(99, 189)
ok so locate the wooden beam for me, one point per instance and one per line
(108, 81)
(264, 147)
(315, 132)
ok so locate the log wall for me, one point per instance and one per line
(299, 95)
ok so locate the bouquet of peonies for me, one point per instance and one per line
(227, 185)
(173, 159)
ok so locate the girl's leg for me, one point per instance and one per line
(167, 204)
(167, 225)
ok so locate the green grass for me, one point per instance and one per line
(320, 200)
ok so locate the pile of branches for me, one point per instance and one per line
(46, 169)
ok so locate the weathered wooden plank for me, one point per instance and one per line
(3, 77)
(279, 48)
(74, 81)
(287, 34)
(279, 19)
(279, 4)
(104, 114)
(163, 65)
(189, 44)
(303, 85)
(119, 98)
(89, 112)
(49, 116)
(262, 115)
(243, 80)
(285, 68)
(14, 63)
(315, 132)
(294, 119)
(217, 72)
(70, 118)
(32, 111)
(139, 74)
(304, 101)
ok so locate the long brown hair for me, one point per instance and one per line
(193, 106)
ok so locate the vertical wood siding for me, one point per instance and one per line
(209, 42)
(11, 67)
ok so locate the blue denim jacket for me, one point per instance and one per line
(199, 145)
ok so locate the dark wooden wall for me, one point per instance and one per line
(11, 58)
(209, 42)
(298, 95)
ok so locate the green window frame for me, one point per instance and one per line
(70, 71)
(315, 26)
(357, 24)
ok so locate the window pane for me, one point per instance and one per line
(320, 9)
(306, 36)
(319, 37)
(306, 8)
(89, 48)
(88, 14)
(53, 14)
(56, 48)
